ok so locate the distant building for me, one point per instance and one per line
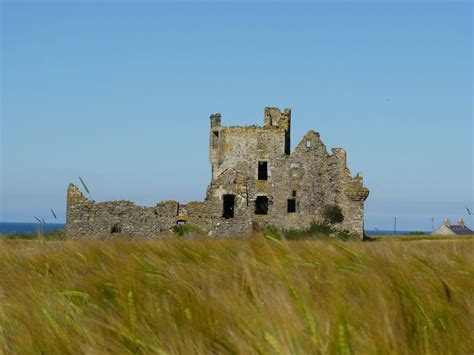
(453, 229)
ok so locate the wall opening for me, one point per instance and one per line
(262, 170)
(215, 139)
(291, 205)
(294, 193)
(308, 144)
(287, 143)
(116, 228)
(180, 222)
(228, 208)
(261, 205)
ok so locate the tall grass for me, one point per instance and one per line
(259, 295)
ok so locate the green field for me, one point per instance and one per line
(407, 295)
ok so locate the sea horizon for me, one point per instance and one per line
(26, 227)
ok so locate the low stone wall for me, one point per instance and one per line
(88, 218)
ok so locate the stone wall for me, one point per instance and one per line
(85, 217)
(309, 176)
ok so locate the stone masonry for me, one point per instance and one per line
(256, 182)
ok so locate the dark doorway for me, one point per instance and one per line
(229, 201)
(261, 205)
(291, 205)
(116, 228)
(262, 170)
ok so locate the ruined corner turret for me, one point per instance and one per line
(355, 189)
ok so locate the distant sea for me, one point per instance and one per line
(383, 232)
(15, 228)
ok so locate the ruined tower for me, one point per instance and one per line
(256, 181)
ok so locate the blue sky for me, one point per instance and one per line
(120, 93)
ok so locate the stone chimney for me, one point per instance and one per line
(447, 222)
(461, 222)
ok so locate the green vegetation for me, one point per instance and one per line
(315, 231)
(183, 229)
(333, 214)
(54, 235)
(258, 295)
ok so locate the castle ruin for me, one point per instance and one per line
(256, 181)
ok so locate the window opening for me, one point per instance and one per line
(294, 193)
(116, 228)
(215, 139)
(229, 202)
(261, 205)
(291, 205)
(262, 170)
(308, 144)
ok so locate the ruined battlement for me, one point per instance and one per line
(256, 181)
(274, 117)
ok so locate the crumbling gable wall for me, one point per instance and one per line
(315, 179)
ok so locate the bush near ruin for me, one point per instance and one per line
(332, 214)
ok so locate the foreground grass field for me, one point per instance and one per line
(258, 295)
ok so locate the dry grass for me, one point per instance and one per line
(236, 296)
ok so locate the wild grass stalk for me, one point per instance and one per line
(231, 296)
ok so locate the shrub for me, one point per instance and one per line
(273, 232)
(183, 229)
(318, 229)
(333, 214)
(315, 230)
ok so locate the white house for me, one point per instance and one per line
(453, 229)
